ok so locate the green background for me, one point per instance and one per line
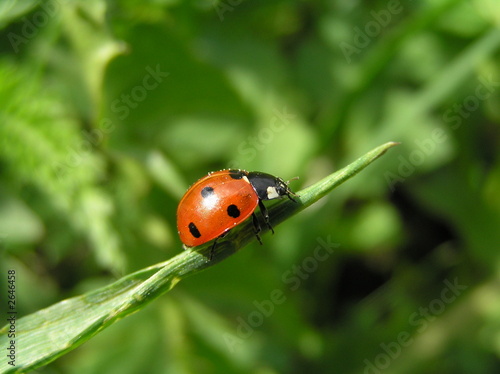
(110, 110)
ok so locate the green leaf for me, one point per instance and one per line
(43, 336)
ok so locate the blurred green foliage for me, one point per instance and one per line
(109, 110)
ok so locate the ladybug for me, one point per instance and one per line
(222, 200)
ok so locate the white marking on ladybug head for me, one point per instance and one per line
(245, 179)
(272, 193)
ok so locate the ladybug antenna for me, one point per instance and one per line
(289, 192)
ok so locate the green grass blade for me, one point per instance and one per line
(43, 336)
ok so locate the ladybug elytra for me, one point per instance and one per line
(222, 200)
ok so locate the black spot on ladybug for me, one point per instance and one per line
(206, 192)
(194, 230)
(236, 174)
(233, 211)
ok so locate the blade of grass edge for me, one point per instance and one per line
(47, 334)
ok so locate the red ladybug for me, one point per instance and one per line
(221, 200)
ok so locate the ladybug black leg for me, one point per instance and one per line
(212, 250)
(265, 214)
(256, 227)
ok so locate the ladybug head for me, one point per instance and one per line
(269, 187)
(281, 189)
